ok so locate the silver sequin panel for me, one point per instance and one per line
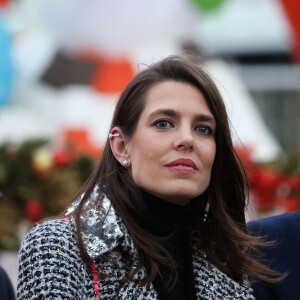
(100, 229)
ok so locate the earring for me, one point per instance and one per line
(125, 163)
(111, 135)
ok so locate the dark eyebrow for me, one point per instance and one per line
(205, 118)
(167, 112)
(173, 113)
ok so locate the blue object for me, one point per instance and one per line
(6, 288)
(283, 257)
(6, 68)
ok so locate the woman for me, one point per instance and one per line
(162, 216)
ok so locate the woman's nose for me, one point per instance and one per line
(184, 141)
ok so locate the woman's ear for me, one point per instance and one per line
(118, 146)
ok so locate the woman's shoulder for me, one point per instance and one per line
(60, 228)
(49, 261)
(45, 240)
(53, 232)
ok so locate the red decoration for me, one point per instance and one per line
(270, 187)
(3, 3)
(111, 75)
(78, 142)
(290, 203)
(292, 9)
(244, 153)
(294, 182)
(264, 186)
(61, 158)
(33, 210)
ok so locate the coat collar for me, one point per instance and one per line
(102, 230)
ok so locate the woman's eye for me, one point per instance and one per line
(205, 130)
(163, 124)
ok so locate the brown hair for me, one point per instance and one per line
(219, 210)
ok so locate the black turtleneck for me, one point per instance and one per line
(162, 219)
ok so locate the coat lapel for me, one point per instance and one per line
(210, 282)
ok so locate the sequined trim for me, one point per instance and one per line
(100, 229)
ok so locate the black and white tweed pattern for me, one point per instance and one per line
(50, 264)
(51, 268)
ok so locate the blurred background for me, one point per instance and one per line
(64, 63)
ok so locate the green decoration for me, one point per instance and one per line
(207, 5)
(32, 185)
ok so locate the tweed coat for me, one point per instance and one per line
(51, 266)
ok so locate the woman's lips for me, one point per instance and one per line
(182, 165)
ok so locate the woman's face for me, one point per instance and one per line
(173, 147)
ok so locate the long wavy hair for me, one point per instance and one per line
(219, 213)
